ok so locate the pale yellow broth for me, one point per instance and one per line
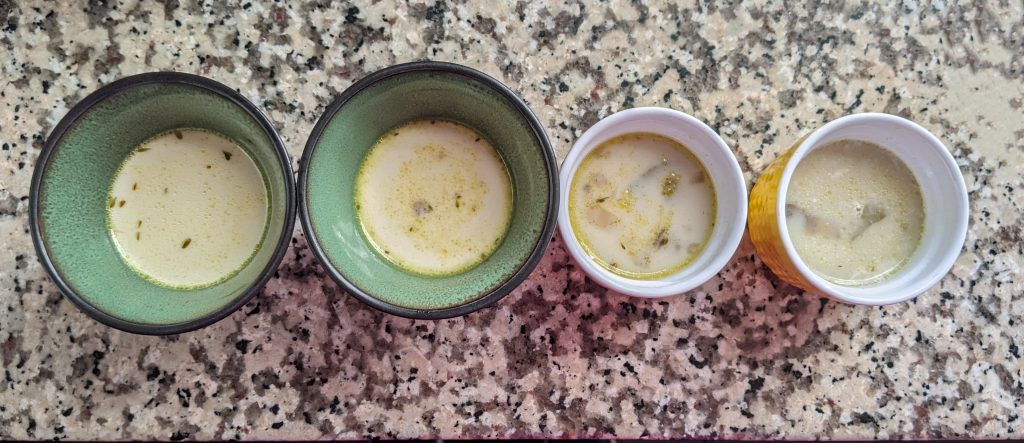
(854, 212)
(187, 208)
(642, 205)
(434, 197)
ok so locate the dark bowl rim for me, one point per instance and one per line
(71, 119)
(496, 293)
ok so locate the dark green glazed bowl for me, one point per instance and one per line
(350, 127)
(77, 166)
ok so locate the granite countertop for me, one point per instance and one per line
(743, 355)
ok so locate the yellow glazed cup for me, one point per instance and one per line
(942, 189)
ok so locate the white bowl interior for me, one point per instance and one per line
(722, 167)
(942, 189)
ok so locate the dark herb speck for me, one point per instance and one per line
(662, 238)
(185, 243)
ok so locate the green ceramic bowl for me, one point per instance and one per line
(386, 99)
(75, 171)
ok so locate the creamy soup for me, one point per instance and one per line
(642, 205)
(854, 212)
(434, 197)
(187, 208)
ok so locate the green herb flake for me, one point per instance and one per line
(111, 201)
(143, 149)
(185, 243)
(121, 204)
(227, 155)
(178, 134)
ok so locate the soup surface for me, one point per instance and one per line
(434, 197)
(187, 208)
(854, 212)
(642, 205)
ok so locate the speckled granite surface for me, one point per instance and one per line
(742, 356)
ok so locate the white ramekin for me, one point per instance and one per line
(725, 174)
(942, 189)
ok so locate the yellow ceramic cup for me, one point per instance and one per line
(942, 189)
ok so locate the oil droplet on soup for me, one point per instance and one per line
(187, 208)
(642, 205)
(434, 197)
(854, 212)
